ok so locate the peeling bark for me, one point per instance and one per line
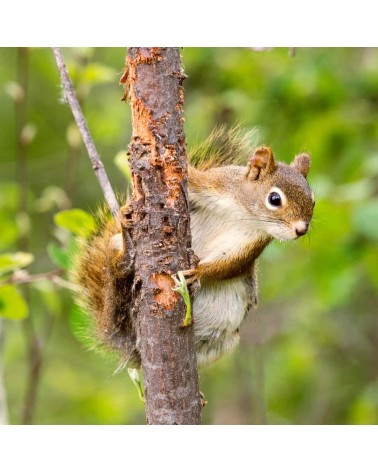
(161, 233)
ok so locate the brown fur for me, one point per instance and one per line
(239, 264)
(219, 194)
(223, 147)
(106, 293)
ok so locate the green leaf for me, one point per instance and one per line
(134, 376)
(58, 255)
(182, 288)
(12, 305)
(12, 261)
(77, 221)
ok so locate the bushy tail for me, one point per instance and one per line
(88, 271)
(105, 295)
(224, 146)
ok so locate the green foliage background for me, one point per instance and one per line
(310, 353)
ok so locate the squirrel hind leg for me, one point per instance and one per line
(122, 256)
(115, 323)
(120, 340)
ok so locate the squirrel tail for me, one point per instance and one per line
(224, 146)
(104, 294)
(89, 263)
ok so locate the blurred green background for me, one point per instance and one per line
(309, 355)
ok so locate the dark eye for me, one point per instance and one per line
(274, 199)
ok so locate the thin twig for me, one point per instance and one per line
(23, 277)
(94, 157)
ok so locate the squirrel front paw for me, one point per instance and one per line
(191, 276)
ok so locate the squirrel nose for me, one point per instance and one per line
(301, 228)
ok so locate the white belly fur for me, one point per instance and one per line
(219, 229)
(218, 311)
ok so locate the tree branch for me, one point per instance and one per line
(94, 157)
(161, 234)
(23, 277)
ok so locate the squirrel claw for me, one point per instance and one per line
(190, 276)
(126, 267)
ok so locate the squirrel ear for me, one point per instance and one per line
(262, 163)
(302, 163)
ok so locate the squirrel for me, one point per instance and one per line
(235, 212)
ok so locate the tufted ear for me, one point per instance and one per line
(262, 163)
(302, 163)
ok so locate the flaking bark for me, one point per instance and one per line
(161, 233)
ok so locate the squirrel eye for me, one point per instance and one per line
(275, 199)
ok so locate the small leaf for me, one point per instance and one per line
(134, 376)
(12, 261)
(182, 288)
(12, 305)
(22, 259)
(77, 221)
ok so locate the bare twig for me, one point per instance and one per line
(94, 157)
(23, 277)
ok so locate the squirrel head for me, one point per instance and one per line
(282, 197)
